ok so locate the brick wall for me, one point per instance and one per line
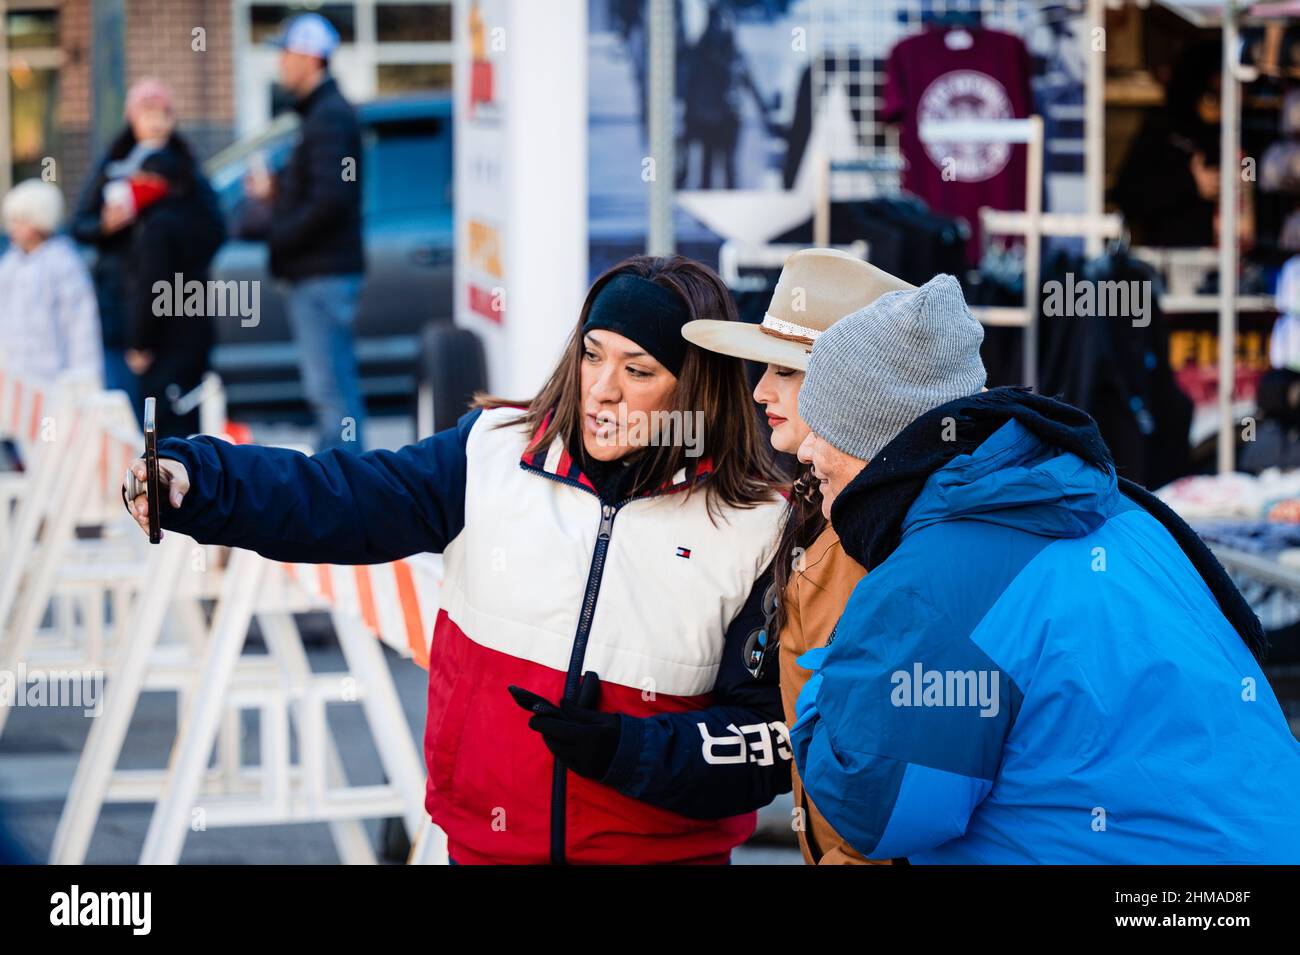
(159, 41)
(74, 94)
(74, 77)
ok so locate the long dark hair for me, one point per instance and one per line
(743, 472)
(804, 523)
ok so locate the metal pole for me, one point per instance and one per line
(6, 145)
(662, 53)
(820, 158)
(1033, 247)
(1094, 126)
(1229, 130)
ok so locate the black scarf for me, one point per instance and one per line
(614, 480)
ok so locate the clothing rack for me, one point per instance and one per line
(843, 32)
(862, 159)
(847, 42)
(1028, 132)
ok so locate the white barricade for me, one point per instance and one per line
(74, 554)
(70, 552)
(44, 421)
(47, 569)
(159, 639)
(396, 602)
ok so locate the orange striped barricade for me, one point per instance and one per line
(394, 602)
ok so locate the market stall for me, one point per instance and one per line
(988, 138)
(1250, 517)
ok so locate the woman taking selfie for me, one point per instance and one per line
(813, 577)
(586, 680)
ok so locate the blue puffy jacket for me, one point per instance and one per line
(1041, 664)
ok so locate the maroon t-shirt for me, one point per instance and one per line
(926, 79)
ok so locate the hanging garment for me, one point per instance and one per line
(927, 79)
(903, 237)
(1115, 366)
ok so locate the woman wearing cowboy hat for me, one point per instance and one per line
(813, 577)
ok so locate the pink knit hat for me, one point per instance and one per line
(149, 91)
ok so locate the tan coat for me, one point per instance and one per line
(814, 599)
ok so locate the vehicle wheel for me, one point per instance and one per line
(452, 368)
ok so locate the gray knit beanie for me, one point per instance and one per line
(877, 370)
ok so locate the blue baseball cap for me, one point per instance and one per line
(308, 33)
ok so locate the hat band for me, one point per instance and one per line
(790, 331)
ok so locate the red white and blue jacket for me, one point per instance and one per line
(543, 582)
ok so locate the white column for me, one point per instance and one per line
(663, 55)
(521, 181)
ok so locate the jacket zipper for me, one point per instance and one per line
(559, 774)
(572, 677)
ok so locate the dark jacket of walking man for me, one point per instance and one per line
(311, 220)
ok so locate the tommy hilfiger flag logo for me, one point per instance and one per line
(684, 552)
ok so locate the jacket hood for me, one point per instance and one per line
(1011, 457)
(1015, 479)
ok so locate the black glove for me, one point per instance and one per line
(576, 733)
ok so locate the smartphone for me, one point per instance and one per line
(152, 484)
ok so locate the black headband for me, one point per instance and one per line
(647, 313)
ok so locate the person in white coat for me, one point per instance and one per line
(49, 320)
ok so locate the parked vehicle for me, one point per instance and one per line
(404, 332)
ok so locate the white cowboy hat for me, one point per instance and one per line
(817, 288)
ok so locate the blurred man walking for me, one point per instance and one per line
(312, 222)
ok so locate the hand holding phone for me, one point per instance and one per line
(150, 478)
(151, 469)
